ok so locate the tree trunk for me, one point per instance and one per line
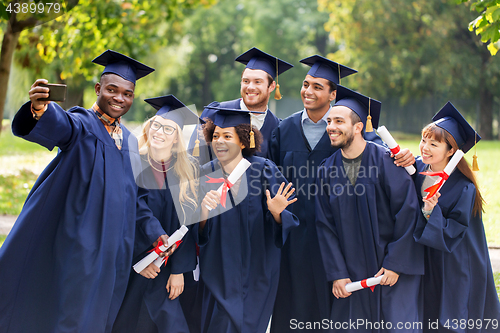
(9, 44)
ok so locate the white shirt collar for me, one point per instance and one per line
(257, 118)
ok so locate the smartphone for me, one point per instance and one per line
(57, 92)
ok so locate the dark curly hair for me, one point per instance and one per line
(243, 131)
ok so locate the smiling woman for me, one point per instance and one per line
(243, 226)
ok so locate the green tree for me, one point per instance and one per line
(487, 23)
(288, 29)
(63, 45)
(415, 49)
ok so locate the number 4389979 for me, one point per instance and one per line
(33, 8)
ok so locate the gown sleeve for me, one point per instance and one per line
(403, 254)
(145, 218)
(274, 146)
(184, 258)
(446, 233)
(55, 128)
(331, 252)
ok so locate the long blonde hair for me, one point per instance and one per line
(184, 167)
(432, 131)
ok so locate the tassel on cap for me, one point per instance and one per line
(196, 149)
(369, 126)
(252, 139)
(277, 93)
(475, 166)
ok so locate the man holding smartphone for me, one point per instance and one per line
(65, 265)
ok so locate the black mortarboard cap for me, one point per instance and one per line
(119, 64)
(327, 69)
(257, 59)
(363, 106)
(451, 120)
(169, 107)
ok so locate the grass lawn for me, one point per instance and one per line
(2, 238)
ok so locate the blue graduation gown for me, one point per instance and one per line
(270, 123)
(161, 313)
(64, 266)
(458, 281)
(240, 251)
(303, 292)
(365, 227)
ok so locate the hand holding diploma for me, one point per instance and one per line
(161, 248)
(238, 171)
(395, 149)
(448, 169)
(339, 288)
(366, 283)
(150, 272)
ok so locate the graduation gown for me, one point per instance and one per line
(64, 266)
(458, 281)
(240, 251)
(270, 123)
(303, 293)
(159, 313)
(368, 226)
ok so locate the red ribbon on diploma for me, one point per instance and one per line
(395, 150)
(434, 188)
(227, 185)
(158, 251)
(364, 285)
(157, 248)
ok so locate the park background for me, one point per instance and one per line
(414, 56)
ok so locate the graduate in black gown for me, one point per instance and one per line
(459, 288)
(298, 146)
(366, 212)
(258, 80)
(171, 176)
(64, 267)
(241, 235)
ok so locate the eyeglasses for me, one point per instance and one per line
(167, 129)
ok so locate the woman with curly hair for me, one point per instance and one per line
(242, 227)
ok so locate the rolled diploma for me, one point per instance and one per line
(358, 285)
(393, 146)
(452, 164)
(238, 171)
(144, 262)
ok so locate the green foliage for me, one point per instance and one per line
(410, 49)
(136, 28)
(288, 29)
(14, 190)
(487, 24)
(2, 239)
